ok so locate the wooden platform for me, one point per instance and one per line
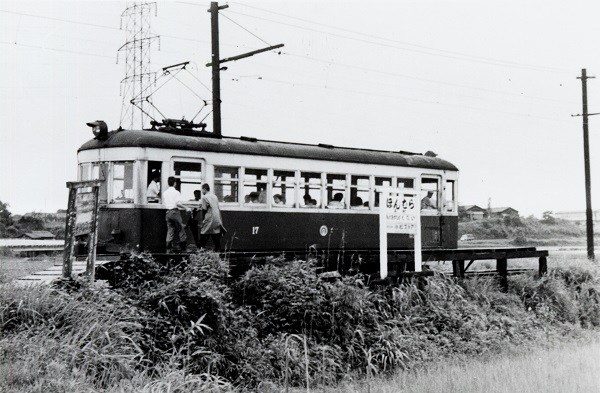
(46, 277)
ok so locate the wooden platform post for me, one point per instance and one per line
(543, 269)
(67, 267)
(502, 269)
(458, 268)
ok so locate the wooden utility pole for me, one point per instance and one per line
(586, 159)
(216, 62)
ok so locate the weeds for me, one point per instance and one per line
(191, 327)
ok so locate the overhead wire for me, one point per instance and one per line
(425, 50)
(396, 41)
(352, 66)
(291, 54)
(411, 99)
(55, 49)
(60, 19)
(243, 28)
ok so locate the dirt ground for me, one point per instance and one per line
(15, 267)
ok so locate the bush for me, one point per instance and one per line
(192, 326)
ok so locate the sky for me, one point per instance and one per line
(490, 86)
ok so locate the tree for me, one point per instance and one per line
(5, 219)
(31, 223)
(548, 218)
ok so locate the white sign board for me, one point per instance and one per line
(399, 212)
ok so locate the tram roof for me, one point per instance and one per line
(252, 146)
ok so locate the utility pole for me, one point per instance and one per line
(586, 159)
(216, 62)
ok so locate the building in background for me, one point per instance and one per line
(502, 212)
(38, 235)
(471, 213)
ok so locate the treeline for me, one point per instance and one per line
(11, 226)
(191, 327)
(516, 227)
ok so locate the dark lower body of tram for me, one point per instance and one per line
(127, 230)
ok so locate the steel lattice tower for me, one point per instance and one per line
(138, 81)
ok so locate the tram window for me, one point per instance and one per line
(99, 170)
(153, 191)
(430, 192)
(226, 183)
(284, 185)
(406, 183)
(94, 171)
(381, 182)
(359, 192)
(84, 172)
(255, 186)
(310, 188)
(188, 177)
(450, 199)
(336, 191)
(122, 182)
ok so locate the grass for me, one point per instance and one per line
(190, 328)
(568, 368)
(15, 267)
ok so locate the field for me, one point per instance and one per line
(568, 368)
(191, 328)
(15, 267)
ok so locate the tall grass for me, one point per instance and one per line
(191, 327)
(566, 369)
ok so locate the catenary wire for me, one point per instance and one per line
(243, 28)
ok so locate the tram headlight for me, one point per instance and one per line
(100, 129)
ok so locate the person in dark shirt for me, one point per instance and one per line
(193, 221)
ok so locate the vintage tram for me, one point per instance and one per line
(274, 196)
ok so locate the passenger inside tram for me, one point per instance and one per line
(153, 191)
(336, 202)
(309, 201)
(356, 201)
(426, 202)
(278, 200)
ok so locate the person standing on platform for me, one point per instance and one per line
(175, 228)
(211, 225)
(193, 221)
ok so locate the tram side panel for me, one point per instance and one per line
(141, 229)
(145, 230)
(255, 230)
(120, 229)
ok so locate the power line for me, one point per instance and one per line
(243, 28)
(400, 42)
(412, 99)
(55, 50)
(422, 50)
(60, 20)
(352, 66)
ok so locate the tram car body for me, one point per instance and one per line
(247, 174)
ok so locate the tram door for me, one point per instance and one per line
(431, 218)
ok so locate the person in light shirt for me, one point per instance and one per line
(153, 192)
(175, 228)
(427, 203)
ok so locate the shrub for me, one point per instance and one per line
(191, 327)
